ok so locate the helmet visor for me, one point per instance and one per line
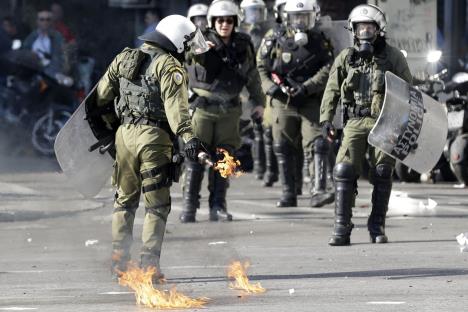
(366, 31)
(197, 43)
(301, 20)
(200, 21)
(254, 15)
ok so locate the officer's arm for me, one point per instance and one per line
(317, 82)
(263, 57)
(108, 87)
(331, 95)
(254, 84)
(172, 79)
(401, 67)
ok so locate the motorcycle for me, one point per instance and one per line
(33, 100)
(456, 148)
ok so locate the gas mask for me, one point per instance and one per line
(366, 33)
(300, 22)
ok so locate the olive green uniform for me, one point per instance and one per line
(359, 82)
(294, 119)
(150, 89)
(345, 82)
(217, 78)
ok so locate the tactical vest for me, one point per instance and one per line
(223, 70)
(300, 62)
(140, 95)
(364, 83)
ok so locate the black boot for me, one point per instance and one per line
(382, 180)
(258, 150)
(150, 260)
(287, 172)
(218, 189)
(119, 260)
(320, 195)
(299, 161)
(271, 165)
(345, 187)
(191, 191)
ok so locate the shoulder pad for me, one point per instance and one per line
(130, 62)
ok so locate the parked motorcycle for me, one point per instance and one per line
(34, 101)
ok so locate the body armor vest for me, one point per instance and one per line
(140, 96)
(223, 69)
(300, 62)
(364, 84)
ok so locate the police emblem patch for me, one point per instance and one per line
(286, 57)
(178, 78)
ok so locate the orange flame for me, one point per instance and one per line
(140, 281)
(237, 271)
(228, 165)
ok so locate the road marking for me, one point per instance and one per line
(17, 309)
(386, 302)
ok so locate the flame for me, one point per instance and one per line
(228, 165)
(237, 271)
(140, 281)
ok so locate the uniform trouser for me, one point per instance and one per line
(217, 127)
(353, 149)
(142, 155)
(290, 124)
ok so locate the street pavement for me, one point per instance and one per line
(55, 249)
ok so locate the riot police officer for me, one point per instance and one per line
(294, 62)
(197, 14)
(150, 86)
(217, 78)
(357, 78)
(255, 24)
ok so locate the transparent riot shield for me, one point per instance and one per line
(86, 171)
(412, 127)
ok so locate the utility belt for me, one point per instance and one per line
(203, 102)
(357, 111)
(132, 120)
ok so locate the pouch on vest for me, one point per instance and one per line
(131, 63)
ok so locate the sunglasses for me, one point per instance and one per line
(228, 21)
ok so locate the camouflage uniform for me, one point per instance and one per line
(360, 85)
(150, 88)
(217, 78)
(292, 118)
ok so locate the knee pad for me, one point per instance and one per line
(321, 146)
(344, 172)
(383, 171)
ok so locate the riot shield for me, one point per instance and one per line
(86, 170)
(412, 127)
(337, 32)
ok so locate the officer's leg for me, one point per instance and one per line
(381, 178)
(271, 173)
(286, 130)
(226, 136)
(191, 191)
(155, 171)
(345, 174)
(299, 155)
(258, 150)
(128, 182)
(320, 196)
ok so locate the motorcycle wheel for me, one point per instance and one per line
(406, 174)
(46, 128)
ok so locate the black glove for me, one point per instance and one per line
(299, 91)
(274, 91)
(328, 131)
(192, 148)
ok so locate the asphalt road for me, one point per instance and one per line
(45, 264)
